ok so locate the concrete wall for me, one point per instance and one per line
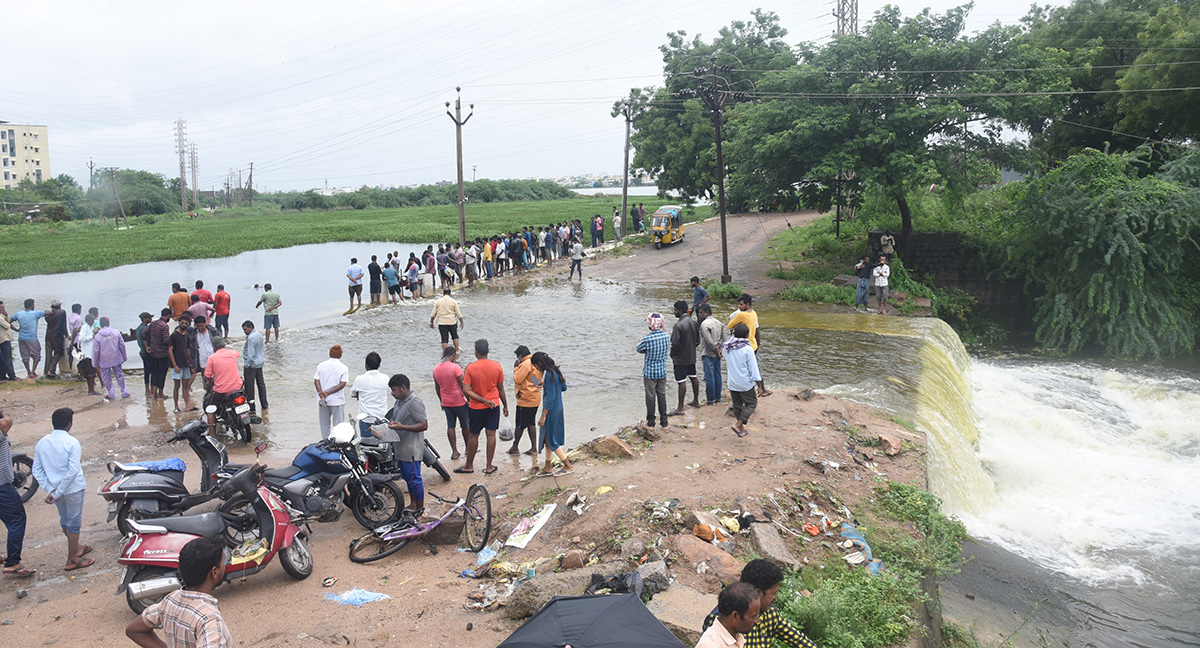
(944, 255)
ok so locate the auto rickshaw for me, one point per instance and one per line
(666, 225)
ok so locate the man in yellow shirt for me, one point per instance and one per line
(746, 315)
(448, 318)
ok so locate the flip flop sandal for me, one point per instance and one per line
(543, 473)
(491, 470)
(463, 472)
(513, 451)
(20, 572)
(87, 549)
(743, 433)
(86, 562)
(564, 472)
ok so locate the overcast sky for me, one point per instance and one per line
(352, 93)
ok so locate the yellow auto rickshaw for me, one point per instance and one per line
(666, 225)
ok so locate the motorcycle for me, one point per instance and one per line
(151, 553)
(232, 412)
(138, 492)
(379, 450)
(326, 473)
(23, 481)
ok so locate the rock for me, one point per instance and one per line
(890, 444)
(771, 546)
(448, 531)
(728, 569)
(576, 540)
(702, 517)
(531, 595)
(649, 434)
(807, 394)
(633, 548)
(573, 559)
(22, 593)
(655, 576)
(845, 280)
(682, 610)
(612, 446)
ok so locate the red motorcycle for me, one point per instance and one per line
(151, 552)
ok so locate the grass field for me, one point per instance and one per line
(69, 247)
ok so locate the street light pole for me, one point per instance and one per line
(459, 122)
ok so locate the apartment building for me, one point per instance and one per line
(24, 153)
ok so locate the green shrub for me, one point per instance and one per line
(943, 536)
(719, 290)
(849, 608)
(820, 293)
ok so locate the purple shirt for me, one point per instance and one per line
(108, 348)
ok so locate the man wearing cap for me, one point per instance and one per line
(220, 376)
(656, 346)
(483, 384)
(527, 381)
(27, 339)
(330, 381)
(108, 354)
(6, 357)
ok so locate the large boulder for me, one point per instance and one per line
(890, 444)
(682, 610)
(727, 568)
(655, 577)
(771, 546)
(845, 280)
(531, 595)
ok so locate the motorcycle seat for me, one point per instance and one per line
(204, 524)
(281, 473)
(232, 468)
(370, 441)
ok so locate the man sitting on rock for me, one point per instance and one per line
(765, 576)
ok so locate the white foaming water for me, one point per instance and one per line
(1096, 471)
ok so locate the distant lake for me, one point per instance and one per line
(641, 192)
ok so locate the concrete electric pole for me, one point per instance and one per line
(625, 174)
(193, 159)
(91, 183)
(459, 122)
(181, 149)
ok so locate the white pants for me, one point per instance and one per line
(329, 416)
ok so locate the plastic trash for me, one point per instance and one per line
(603, 489)
(356, 597)
(328, 582)
(528, 527)
(628, 583)
(506, 429)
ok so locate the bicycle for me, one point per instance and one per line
(390, 538)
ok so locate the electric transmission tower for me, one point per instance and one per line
(195, 171)
(847, 16)
(181, 149)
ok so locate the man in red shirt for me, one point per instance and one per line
(221, 302)
(483, 384)
(221, 375)
(448, 383)
(203, 293)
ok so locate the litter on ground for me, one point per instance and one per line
(356, 597)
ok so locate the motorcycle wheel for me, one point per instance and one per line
(23, 480)
(125, 514)
(245, 526)
(384, 506)
(146, 573)
(371, 546)
(296, 559)
(658, 245)
(477, 514)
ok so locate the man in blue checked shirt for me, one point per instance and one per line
(656, 346)
(56, 466)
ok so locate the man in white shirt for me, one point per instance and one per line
(355, 274)
(881, 274)
(371, 390)
(330, 381)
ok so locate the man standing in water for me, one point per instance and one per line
(685, 336)
(355, 274)
(253, 360)
(448, 319)
(222, 299)
(863, 272)
(376, 273)
(270, 302)
(656, 347)
(330, 381)
(483, 383)
(745, 315)
(576, 260)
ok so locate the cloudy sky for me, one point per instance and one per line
(352, 93)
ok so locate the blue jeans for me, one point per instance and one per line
(487, 266)
(12, 513)
(712, 379)
(860, 297)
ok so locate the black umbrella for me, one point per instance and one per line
(593, 622)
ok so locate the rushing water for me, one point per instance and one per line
(1089, 471)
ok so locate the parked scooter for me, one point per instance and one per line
(324, 474)
(232, 413)
(380, 453)
(151, 553)
(23, 481)
(138, 492)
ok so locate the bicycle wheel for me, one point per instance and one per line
(477, 514)
(371, 547)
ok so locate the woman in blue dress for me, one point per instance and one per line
(552, 422)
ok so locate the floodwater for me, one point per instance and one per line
(1088, 471)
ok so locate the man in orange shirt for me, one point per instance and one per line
(483, 384)
(178, 301)
(527, 382)
(221, 376)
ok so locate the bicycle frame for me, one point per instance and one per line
(422, 529)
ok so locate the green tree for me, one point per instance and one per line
(1170, 38)
(142, 193)
(1101, 247)
(897, 106)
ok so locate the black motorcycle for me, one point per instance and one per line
(23, 481)
(232, 412)
(138, 492)
(380, 453)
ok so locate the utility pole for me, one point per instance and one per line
(847, 17)
(715, 95)
(91, 183)
(459, 122)
(473, 167)
(195, 183)
(250, 190)
(241, 195)
(112, 174)
(625, 174)
(181, 149)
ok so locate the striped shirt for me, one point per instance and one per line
(771, 627)
(656, 345)
(189, 620)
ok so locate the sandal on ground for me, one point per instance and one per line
(741, 433)
(545, 473)
(87, 549)
(560, 471)
(79, 564)
(491, 470)
(531, 452)
(463, 472)
(20, 571)
(514, 451)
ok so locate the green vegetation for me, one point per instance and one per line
(849, 607)
(820, 293)
(718, 290)
(55, 247)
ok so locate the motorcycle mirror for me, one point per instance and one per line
(211, 409)
(260, 448)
